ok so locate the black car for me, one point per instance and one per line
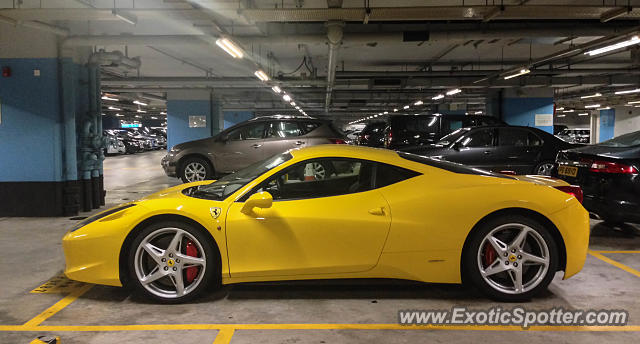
(419, 129)
(372, 135)
(609, 174)
(523, 150)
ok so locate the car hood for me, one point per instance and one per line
(173, 192)
(611, 152)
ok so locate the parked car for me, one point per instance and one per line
(113, 144)
(246, 143)
(523, 150)
(609, 174)
(575, 135)
(557, 128)
(386, 215)
(372, 135)
(420, 129)
(132, 145)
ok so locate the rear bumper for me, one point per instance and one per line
(613, 209)
(573, 224)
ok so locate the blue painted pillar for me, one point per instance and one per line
(232, 118)
(607, 122)
(192, 115)
(528, 107)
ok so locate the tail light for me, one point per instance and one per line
(612, 167)
(338, 141)
(389, 138)
(572, 190)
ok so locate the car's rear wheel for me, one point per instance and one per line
(195, 170)
(171, 262)
(544, 168)
(511, 258)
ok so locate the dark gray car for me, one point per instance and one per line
(244, 144)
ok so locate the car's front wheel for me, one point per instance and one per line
(171, 262)
(511, 258)
(195, 170)
(544, 168)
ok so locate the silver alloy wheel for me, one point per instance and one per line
(518, 266)
(545, 169)
(319, 171)
(194, 172)
(162, 272)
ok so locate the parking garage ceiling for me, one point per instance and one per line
(343, 59)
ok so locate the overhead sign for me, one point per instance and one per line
(130, 125)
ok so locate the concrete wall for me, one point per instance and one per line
(627, 120)
(183, 104)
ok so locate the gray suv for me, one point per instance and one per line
(244, 144)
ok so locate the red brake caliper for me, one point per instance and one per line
(192, 271)
(489, 255)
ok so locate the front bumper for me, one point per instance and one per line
(169, 166)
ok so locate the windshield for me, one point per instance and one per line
(626, 140)
(453, 137)
(228, 184)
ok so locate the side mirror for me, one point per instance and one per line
(257, 200)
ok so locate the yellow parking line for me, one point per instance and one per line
(58, 306)
(224, 336)
(229, 327)
(614, 263)
(599, 251)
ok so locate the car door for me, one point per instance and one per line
(335, 223)
(518, 150)
(281, 136)
(240, 147)
(476, 148)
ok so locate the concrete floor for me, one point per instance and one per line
(32, 254)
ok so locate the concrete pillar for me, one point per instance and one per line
(528, 107)
(232, 118)
(627, 120)
(192, 115)
(607, 123)
(40, 103)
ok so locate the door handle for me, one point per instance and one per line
(298, 143)
(377, 211)
(256, 145)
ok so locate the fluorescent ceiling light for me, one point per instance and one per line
(141, 111)
(560, 109)
(127, 18)
(260, 74)
(419, 102)
(634, 102)
(109, 98)
(140, 103)
(154, 117)
(395, 110)
(478, 113)
(104, 114)
(406, 107)
(230, 48)
(592, 96)
(137, 116)
(163, 112)
(386, 112)
(287, 98)
(523, 71)
(292, 103)
(297, 108)
(614, 13)
(114, 108)
(562, 115)
(454, 91)
(583, 114)
(568, 110)
(632, 41)
(592, 106)
(439, 96)
(604, 108)
(628, 91)
(119, 115)
(276, 89)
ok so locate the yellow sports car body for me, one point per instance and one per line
(337, 211)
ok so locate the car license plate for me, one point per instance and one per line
(570, 171)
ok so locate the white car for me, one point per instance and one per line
(115, 146)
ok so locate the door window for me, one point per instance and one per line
(320, 178)
(253, 131)
(283, 129)
(513, 137)
(479, 138)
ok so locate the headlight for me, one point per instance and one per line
(97, 217)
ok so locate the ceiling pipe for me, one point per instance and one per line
(114, 59)
(60, 31)
(334, 39)
(152, 40)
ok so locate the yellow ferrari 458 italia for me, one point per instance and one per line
(337, 211)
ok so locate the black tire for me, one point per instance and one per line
(209, 279)
(471, 259)
(195, 161)
(542, 165)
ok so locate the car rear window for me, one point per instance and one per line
(310, 126)
(422, 124)
(450, 166)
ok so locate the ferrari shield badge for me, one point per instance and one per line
(215, 212)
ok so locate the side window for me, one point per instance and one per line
(513, 137)
(534, 140)
(308, 127)
(248, 132)
(389, 174)
(283, 129)
(320, 178)
(479, 138)
(450, 125)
